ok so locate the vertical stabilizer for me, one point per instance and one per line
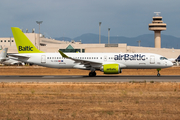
(23, 44)
(178, 59)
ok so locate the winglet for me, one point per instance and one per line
(63, 55)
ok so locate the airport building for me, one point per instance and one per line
(52, 45)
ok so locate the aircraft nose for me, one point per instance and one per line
(169, 63)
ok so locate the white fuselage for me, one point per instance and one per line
(125, 60)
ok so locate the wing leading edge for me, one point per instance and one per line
(78, 60)
(88, 62)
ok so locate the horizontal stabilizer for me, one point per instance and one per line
(20, 56)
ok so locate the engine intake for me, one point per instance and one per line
(111, 69)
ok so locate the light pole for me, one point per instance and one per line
(100, 32)
(108, 35)
(139, 42)
(39, 22)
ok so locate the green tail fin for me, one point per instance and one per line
(23, 44)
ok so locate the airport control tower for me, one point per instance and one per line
(157, 26)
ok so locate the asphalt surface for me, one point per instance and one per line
(89, 79)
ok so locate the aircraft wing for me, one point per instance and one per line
(88, 62)
(85, 62)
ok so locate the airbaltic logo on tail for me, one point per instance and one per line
(25, 48)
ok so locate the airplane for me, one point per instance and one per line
(175, 60)
(8, 60)
(3, 55)
(109, 63)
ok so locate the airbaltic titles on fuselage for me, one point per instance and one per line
(129, 57)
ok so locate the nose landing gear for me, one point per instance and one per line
(158, 74)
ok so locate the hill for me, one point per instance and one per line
(147, 40)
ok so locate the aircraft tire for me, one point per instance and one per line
(158, 75)
(92, 74)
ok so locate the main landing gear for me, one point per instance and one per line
(92, 74)
(158, 74)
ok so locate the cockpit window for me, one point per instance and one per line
(163, 58)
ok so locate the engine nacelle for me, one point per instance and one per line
(111, 69)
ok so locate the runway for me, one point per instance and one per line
(89, 79)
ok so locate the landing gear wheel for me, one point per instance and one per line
(158, 72)
(92, 74)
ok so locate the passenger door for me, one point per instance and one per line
(43, 58)
(152, 59)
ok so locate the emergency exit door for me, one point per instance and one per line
(105, 58)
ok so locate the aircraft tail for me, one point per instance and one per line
(23, 44)
(178, 59)
(3, 54)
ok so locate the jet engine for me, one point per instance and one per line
(110, 69)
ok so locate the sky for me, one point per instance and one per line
(72, 18)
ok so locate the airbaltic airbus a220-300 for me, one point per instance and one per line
(109, 63)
